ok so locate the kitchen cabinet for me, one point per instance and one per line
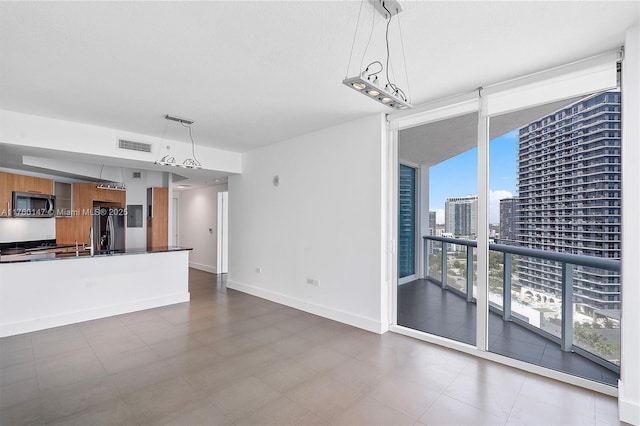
(157, 217)
(33, 184)
(6, 186)
(63, 198)
(10, 182)
(76, 227)
(110, 196)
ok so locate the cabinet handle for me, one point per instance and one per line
(34, 192)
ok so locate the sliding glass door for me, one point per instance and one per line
(513, 204)
(439, 299)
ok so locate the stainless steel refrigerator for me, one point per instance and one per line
(108, 228)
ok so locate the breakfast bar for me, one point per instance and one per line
(52, 292)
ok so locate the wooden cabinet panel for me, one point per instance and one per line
(6, 186)
(66, 228)
(110, 195)
(32, 184)
(83, 194)
(158, 224)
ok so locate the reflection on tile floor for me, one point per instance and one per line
(230, 358)
(424, 306)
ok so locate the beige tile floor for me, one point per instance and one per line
(230, 358)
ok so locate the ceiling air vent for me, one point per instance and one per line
(134, 146)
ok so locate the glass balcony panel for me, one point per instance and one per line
(457, 267)
(475, 273)
(435, 260)
(537, 294)
(597, 329)
(496, 269)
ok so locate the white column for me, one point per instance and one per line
(423, 211)
(482, 311)
(390, 225)
(629, 383)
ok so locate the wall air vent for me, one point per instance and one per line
(137, 175)
(134, 146)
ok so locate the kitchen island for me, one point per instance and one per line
(45, 293)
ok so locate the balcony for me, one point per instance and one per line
(541, 321)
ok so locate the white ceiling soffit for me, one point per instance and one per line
(87, 167)
(433, 143)
(254, 73)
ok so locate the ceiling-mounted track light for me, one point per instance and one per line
(112, 185)
(368, 85)
(367, 81)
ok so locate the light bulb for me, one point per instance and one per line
(358, 85)
(373, 92)
(386, 100)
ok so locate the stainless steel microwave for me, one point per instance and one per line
(28, 204)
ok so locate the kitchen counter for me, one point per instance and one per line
(40, 294)
(62, 252)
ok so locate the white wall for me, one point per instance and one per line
(322, 222)
(629, 384)
(23, 229)
(137, 194)
(197, 214)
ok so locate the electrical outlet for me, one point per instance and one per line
(90, 284)
(258, 269)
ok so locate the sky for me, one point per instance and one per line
(457, 176)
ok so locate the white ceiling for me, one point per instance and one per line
(254, 73)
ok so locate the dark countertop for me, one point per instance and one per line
(35, 257)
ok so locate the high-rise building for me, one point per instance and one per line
(432, 223)
(569, 197)
(432, 231)
(461, 216)
(508, 215)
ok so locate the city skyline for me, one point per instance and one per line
(503, 153)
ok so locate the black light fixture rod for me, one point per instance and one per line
(387, 8)
(178, 119)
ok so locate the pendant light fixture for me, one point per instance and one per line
(189, 163)
(367, 81)
(120, 186)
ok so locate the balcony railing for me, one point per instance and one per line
(591, 332)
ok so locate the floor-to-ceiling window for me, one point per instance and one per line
(519, 241)
(555, 186)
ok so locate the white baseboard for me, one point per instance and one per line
(628, 411)
(90, 314)
(203, 267)
(323, 311)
